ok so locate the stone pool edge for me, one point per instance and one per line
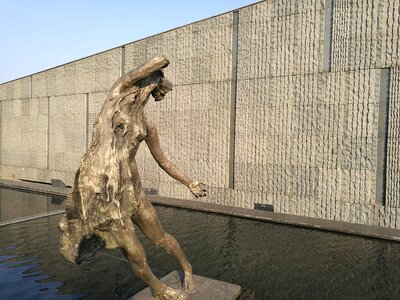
(315, 223)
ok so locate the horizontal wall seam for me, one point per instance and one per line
(208, 82)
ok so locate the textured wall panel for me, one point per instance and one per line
(191, 123)
(17, 89)
(308, 140)
(91, 74)
(43, 84)
(191, 118)
(4, 91)
(199, 52)
(393, 146)
(107, 69)
(1, 133)
(24, 132)
(66, 146)
(135, 54)
(280, 38)
(11, 132)
(96, 101)
(366, 34)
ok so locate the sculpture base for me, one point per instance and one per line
(206, 288)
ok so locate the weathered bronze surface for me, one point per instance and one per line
(108, 197)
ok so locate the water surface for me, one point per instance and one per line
(15, 205)
(277, 261)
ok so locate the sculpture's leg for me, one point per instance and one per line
(133, 250)
(147, 220)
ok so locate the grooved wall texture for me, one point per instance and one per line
(393, 151)
(311, 88)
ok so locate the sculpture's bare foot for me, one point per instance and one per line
(188, 283)
(171, 294)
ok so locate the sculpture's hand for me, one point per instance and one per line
(198, 189)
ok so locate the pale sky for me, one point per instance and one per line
(39, 34)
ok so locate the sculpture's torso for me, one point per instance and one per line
(107, 187)
(123, 120)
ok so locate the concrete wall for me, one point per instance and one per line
(290, 103)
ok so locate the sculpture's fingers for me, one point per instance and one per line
(201, 193)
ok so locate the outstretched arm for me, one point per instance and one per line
(152, 141)
(141, 72)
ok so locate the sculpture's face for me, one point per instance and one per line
(163, 88)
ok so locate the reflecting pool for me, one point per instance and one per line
(277, 261)
(15, 205)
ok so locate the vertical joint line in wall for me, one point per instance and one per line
(30, 87)
(383, 123)
(122, 66)
(327, 48)
(48, 134)
(232, 121)
(86, 121)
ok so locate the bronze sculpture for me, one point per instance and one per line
(108, 197)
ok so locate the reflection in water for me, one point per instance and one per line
(277, 261)
(230, 251)
(20, 273)
(283, 262)
(33, 246)
(15, 204)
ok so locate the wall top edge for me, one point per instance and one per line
(147, 37)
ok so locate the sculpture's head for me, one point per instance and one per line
(162, 88)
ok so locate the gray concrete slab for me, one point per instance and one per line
(206, 288)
